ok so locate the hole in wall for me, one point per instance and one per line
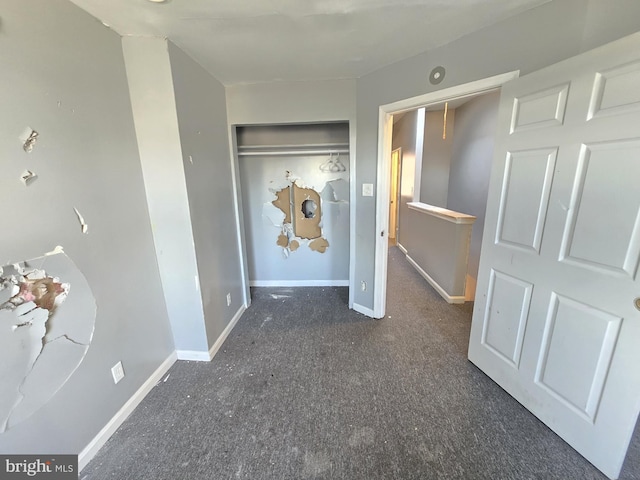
(309, 208)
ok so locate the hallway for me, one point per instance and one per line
(305, 388)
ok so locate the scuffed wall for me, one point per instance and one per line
(63, 77)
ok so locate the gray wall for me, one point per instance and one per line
(536, 38)
(404, 137)
(202, 120)
(86, 158)
(154, 111)
(471, 158)
(436, 158)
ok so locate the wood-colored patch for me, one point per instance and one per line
(283, 241)
(319, 245)
(283, 202)
(302, 226)
(294, 245)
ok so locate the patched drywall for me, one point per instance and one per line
(45, 331)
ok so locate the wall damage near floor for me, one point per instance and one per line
(45, 331)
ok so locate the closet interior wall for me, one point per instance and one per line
(295, 194)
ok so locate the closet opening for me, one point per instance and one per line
(294, 181)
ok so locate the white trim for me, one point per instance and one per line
(442, 213)
(352, 209)
(385, 126)
(435, 285)
(88, 452)
(363, 310)
(299, 283)
(402, 249)
(239, 214)
(225, 333)
(200, 356)
(193, 355)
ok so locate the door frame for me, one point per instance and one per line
(385, 131)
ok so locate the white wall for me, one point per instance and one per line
(527, 42)
(63, 74)
(206, 163)
(471, 158)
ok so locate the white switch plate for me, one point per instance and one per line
(117, 371)
(367, 189)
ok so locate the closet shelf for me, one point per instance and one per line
(300, 149)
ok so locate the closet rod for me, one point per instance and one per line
(292, 152)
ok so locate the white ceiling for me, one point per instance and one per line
(249, 41)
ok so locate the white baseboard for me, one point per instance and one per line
(200, 356)
(402, 249)
(299, 283)
(193, 355)
(225, 333)
(363, 310)
(434, 284)
(88, 452)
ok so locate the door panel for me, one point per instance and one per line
(556, 325)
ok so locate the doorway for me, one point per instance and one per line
(386, 114)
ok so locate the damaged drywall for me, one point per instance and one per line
(47, 316)
(297, 211)
(29, 138)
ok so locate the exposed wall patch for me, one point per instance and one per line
(45, 331)
(319, 245)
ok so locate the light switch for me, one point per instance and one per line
(367, 189)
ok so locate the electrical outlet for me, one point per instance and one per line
(228, 299)
(117, 371)
(363, 285)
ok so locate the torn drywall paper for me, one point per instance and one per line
(273, 215)
(83, 225)
(42, 339)
(283, 203)
(28, 177)
(29, 138)
(319, 245)
(306, 220)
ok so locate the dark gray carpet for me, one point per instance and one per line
(304, 388)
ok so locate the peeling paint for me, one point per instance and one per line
(84, 228)
(28, 177)
(45, 331)
(29, 138)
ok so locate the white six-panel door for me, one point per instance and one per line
(557, 321)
